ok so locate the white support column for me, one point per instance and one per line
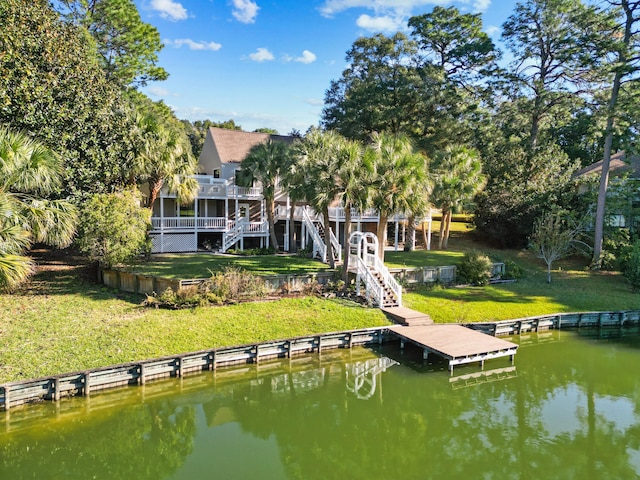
(396, 236)
(287, 226)
(195, 218)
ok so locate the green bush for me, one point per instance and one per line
(475, 268)
(615, 246)
(631, 266)
(229, 286)
(512, 271)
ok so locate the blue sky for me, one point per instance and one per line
(268, 63)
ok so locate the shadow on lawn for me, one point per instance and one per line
(66, 273)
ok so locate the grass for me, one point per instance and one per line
(63, 323)
(573, 288)
(200, 265)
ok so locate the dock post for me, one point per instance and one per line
(56, 389)
(402, 344)
(425, 354)
(87, 384)
(141, 379)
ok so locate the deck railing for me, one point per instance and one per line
(218, 224)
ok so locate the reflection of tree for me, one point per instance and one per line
(415, 426)
(422, 428)
(142, 441)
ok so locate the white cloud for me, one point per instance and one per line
(307, 57)
(245, 11)
(481, 5)
(380, 24)
(169, 9)
(193, 45)
(403, 7)
(158, 91)
(316, 102)
(261, 55)
(492, 30)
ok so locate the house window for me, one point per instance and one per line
(616, 221)
(216, 173)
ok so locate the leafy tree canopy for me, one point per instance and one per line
(128, 47)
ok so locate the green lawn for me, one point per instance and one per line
(62, 323)
(200, 265)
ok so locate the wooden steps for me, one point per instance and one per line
(406, 316)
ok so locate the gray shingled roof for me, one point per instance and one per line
(234, 145)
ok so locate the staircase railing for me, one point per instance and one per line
(319, 247)
(232, 236)
(388, 279)
(374, 291)
(337, 248)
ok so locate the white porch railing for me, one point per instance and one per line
(216, 224)
(245, 192)
(368, 215)
(255, 227)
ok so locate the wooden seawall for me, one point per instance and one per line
(138, 373)
(558, 321)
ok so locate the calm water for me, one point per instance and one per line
(569, 408)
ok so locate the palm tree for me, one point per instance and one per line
(161, 157)
(352, 179)
(264, 163)
(319, 161)
(29, 172)
(458, 178)
(398, 181)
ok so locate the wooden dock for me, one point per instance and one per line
(458, 344)
(406, 316)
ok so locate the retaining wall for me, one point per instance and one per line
(142, 284)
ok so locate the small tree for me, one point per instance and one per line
(631, 266)
(113, 227)
(554, 236)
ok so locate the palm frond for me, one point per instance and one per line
(14, 270)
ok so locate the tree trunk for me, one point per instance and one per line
(447, 228)
(381, 233)
(424, 235)
(410, 246)
(270, 220)
(442, 228)
(345, 246)
(327, 237)
(154, 189)
(549, 272)
(604, 176)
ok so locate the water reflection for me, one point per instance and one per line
(570, 408)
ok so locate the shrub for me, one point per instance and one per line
(512, 271)
(631, 266)
(231, 285)
(475, 268)
(615, 246)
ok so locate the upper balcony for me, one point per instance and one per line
(221, 188)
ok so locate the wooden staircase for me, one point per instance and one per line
(390, 299)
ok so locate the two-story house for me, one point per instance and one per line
(225, 215)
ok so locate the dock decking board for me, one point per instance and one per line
(455, 343)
